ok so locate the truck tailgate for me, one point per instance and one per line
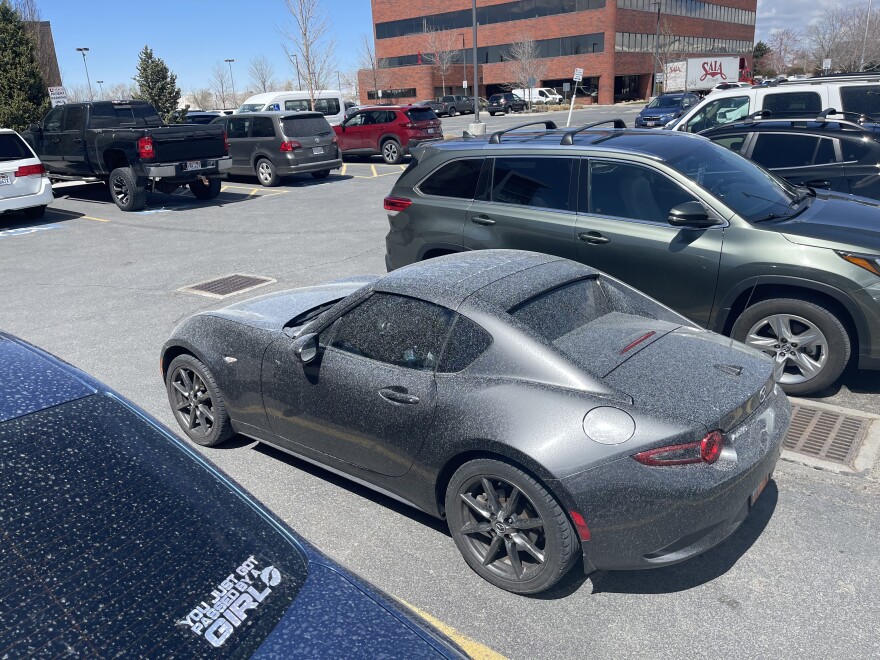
(187, 142)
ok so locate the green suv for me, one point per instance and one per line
(791, 271)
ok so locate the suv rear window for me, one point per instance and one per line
(862, 99)
(13, 147)
(421, 114)
(793, 103)
(454, 179)
(496, 97)
(305, 126)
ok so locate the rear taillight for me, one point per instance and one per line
(408, 124)
(290, 145)
(335, 140)
(707, 450)
(145, 148)
(30, 170)
(397, 204)
(225, 142)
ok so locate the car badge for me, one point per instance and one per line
(731, 369)
(317, 140)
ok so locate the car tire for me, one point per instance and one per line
(205, 191)
(512, 556)
(507, 110)
(267, 175)
(800, 369)
(125, 191)
(35, 212)
(453, 112)
(322, 174)
(392, 154)
(491, 114)
(189, 382)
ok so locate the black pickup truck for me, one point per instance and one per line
(126, 144)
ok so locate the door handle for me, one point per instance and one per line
(398, 395)
(484, 220)
(56, 140)
(818, 183)
(593, 238)
(77, 141)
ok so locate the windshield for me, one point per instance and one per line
(666, 102)
(495, 97)
(250, 107)
(751, 191)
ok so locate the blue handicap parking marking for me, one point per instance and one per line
(21, 231)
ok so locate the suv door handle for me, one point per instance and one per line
(818, 183)
(398, 395)
(78, 141)
(593, 238)
(484, 220)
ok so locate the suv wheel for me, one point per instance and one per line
(266, 173)
(391, 152)
(809, 344)
(507, 110)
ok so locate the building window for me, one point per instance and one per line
(408, 92)
(692, 9)
(644, 43)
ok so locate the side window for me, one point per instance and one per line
(467, 342)
(298, 105)
(356, 120)
(825, 152)
(732, 142)
(719, 112)
(793, 103)
(74, 118)
(630, 191)
(455, 179)
(864, 99)
(327, 106)
(263, 128)
(401, 331)
(52, 122)
(853, 151)
(538, 182)
(238, 127)
(778, 150)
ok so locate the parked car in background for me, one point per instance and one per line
(272, 145)
(391, 131)
(24, 184)
(126, 144)
(200, 117)
(90, 480)
(435, 105)
(789, 271)
(539, 95)
(505, 103)
(453, 105)
(329, 102)
(729, 85)
(832, 151)
(664, 108)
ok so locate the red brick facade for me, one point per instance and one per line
(605, 65)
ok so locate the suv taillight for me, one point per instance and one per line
(706, 450)
(145, 148)
(30, 170)
(397, 204)
(408, 124)
(290, 145)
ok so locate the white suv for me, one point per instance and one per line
(24, 185)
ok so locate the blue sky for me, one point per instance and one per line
(193, 35)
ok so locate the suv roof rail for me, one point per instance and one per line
(496, 136)
(860, 117)
(824, 117)
(568, 138)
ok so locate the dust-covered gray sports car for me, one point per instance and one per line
(546, 410)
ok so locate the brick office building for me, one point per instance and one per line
(611, 40)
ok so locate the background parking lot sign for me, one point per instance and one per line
(578, 75)
(57, 95)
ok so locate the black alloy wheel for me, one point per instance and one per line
(126, 192)
(196, 402)
(509, 529)
(507, 110)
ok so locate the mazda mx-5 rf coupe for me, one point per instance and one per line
(547, 411)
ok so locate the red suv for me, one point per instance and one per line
(388, 130)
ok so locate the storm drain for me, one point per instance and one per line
(827, 435)
(228, 285)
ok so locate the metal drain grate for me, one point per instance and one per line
(222, 287)
(823, 434)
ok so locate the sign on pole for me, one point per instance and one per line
(578, 75)
(58, 96)
(566, 87)
(464, 83)
(826, 64)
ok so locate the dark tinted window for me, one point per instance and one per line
(538, 182)
(467, 342)
(238, 127)
(631, 191)
(401, 331)
(787, 150)
(327, 106)
(297, 105)
(555, 313)
(496, 97)
(852, 150)
(455, 179)
(825, 152)
(74, 118)
(797, 103)
(421, 114)
(111, 115)
(379, 116)
(732, 142)
(13, 147)
(52, 122)
(199, 119)
(114, 535)
(305, 126)
(264, 127)
(864, 99)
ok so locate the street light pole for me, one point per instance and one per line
(865, 40)
(85, 64)
(338, 82)
(101, 84)
(478, 127)
(232, 78)
(656, 49)
(463, 62)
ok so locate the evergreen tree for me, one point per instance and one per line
(761, 51)
(23, 97)
(158, 85)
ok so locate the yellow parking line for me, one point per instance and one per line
(254, 192)
(373, 167)
(474, 649)
(88, 217)
(344, 167)
(402, 167)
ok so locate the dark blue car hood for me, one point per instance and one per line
(836, 221)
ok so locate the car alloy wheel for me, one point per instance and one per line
(120, 190)
(192, 402)
(391, 152)
(799, 348)
(266, 173)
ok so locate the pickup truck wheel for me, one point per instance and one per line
(124, 188)
(453, 112)
(267, 174)
(391, 152)
(201, 190)
(507, 110)
(35, 212)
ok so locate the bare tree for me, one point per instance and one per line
(526, 65)
(308, 44)
(350, 84)
(262, 74)
(841, 36)
(200, 99)
(376, 68)
(441, 50)
(119, 91)
(783, 45)
(221, 85)
(78, 93)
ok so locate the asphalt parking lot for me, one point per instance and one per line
(102, 289)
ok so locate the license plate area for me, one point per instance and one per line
(650, 123)
(193, 165)
(430, 131)
(5, 179)
(317, 150)
(757, 492)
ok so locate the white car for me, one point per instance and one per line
(24, 184)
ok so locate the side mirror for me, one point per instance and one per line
(305, 348)
(35, 128)
(691, 214)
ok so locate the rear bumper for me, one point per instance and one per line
(209, 167)
(415, 142)
(317, 166)
(41, 198)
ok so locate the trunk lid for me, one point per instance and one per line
(187, 142)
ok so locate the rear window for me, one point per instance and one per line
(13, 147)
(557, 312)
(108, 115)
(305, 126)
(421, 114)
(495, 97)
(454, 179)
(117, 542)
(793, 103)
(862, 99)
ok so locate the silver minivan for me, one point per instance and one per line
(270, 145)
